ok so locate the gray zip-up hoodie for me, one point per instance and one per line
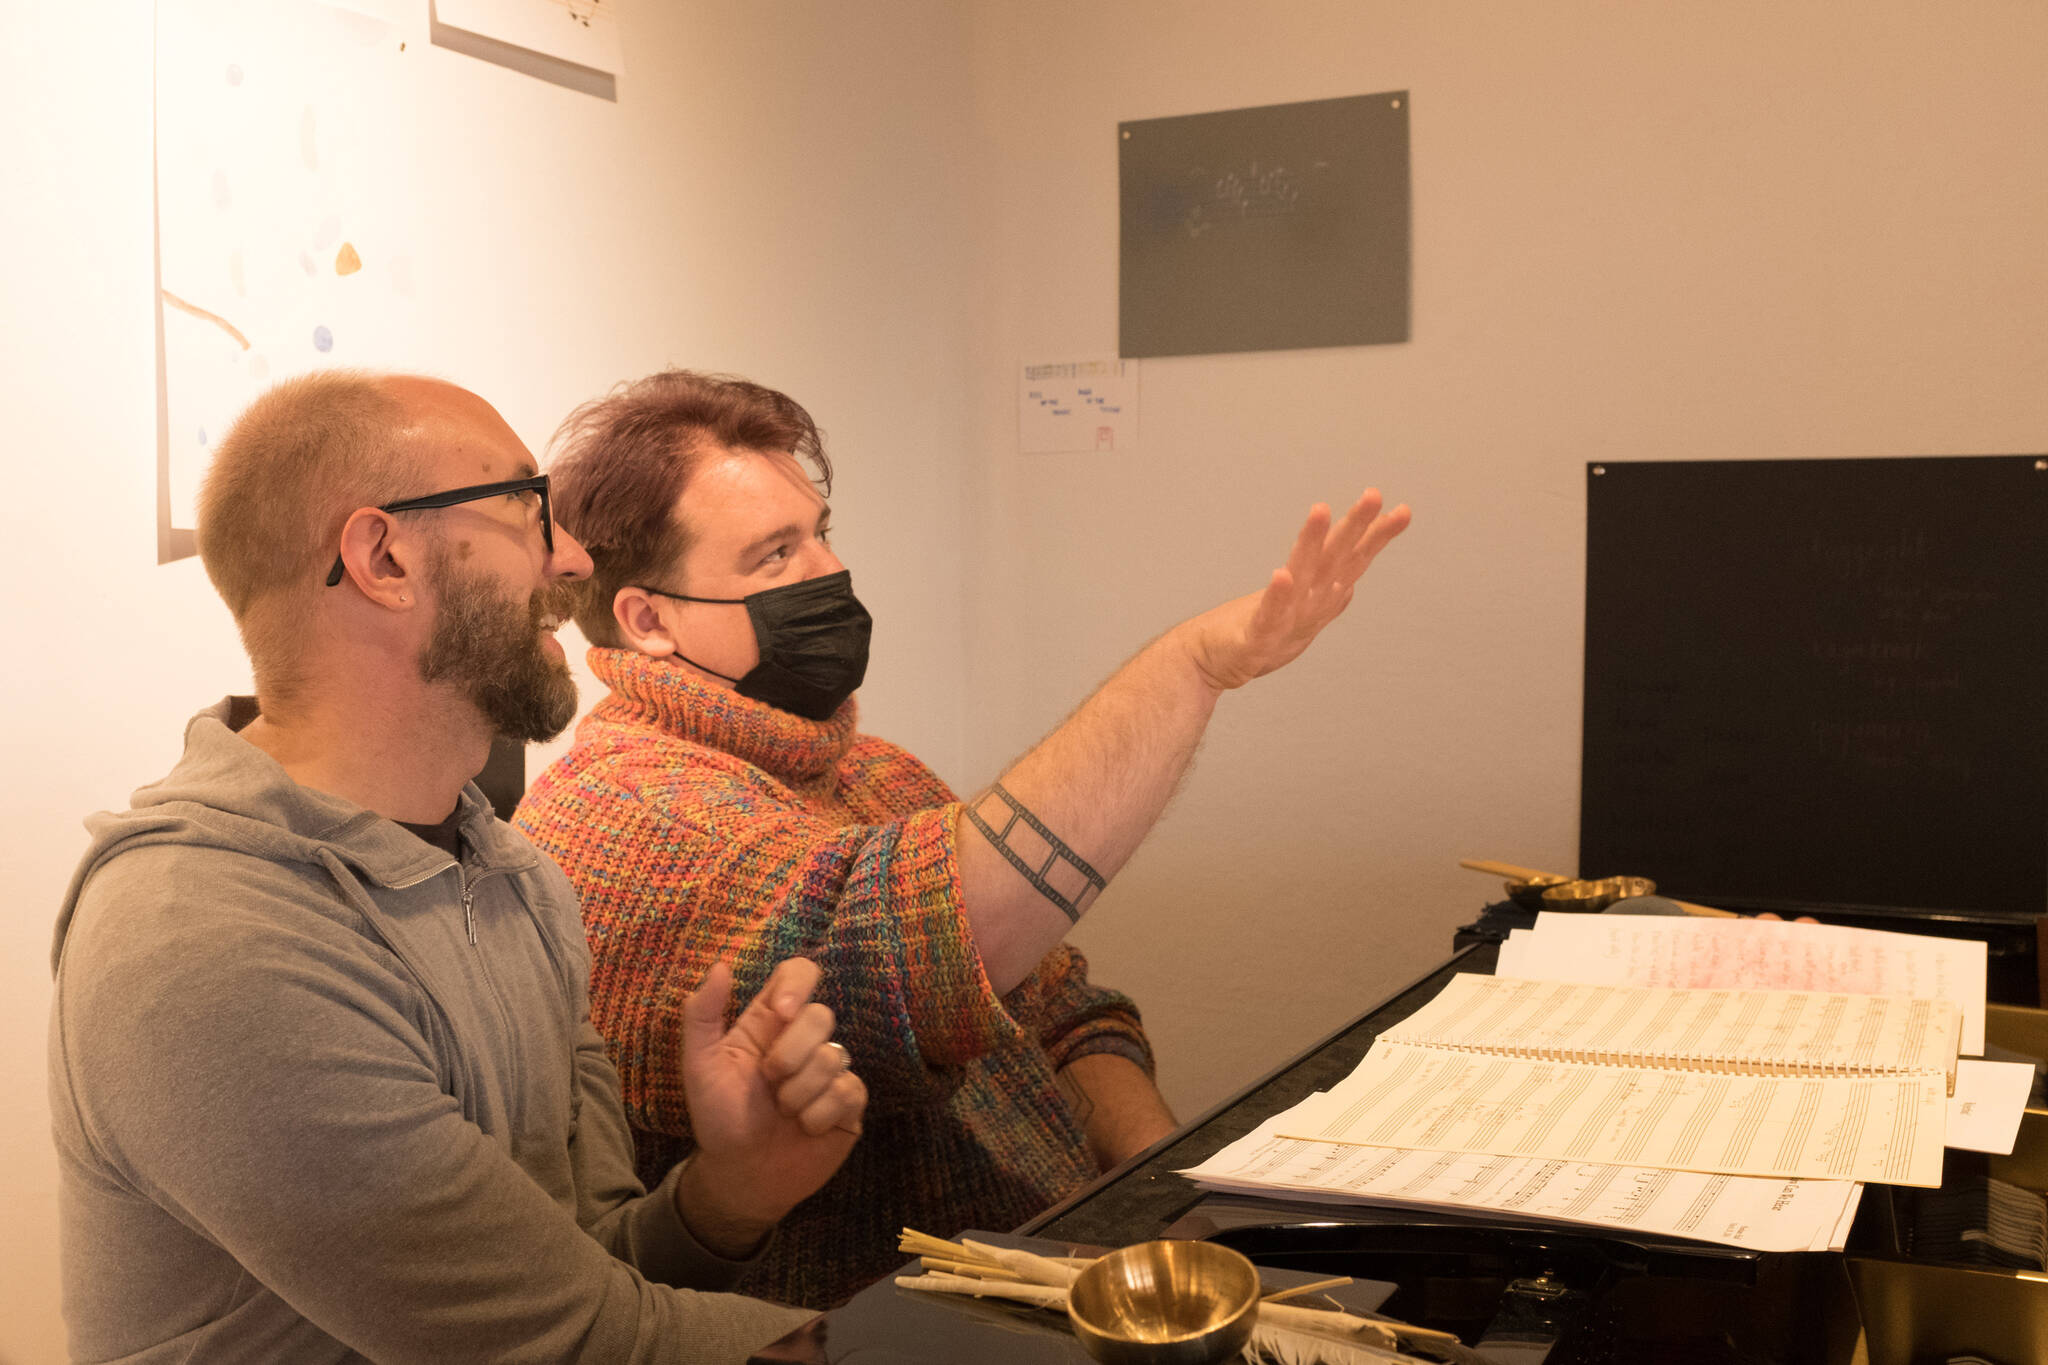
(322, 1094)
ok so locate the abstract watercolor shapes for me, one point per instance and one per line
(196, 311)
(286, 208)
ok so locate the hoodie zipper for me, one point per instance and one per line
(469, 892)
(483, 964)
(468, 895)
(461, 872)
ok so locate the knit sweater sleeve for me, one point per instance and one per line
(640, 1227)
(682, 864)
(1073, 1017)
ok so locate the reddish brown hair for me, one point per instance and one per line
(621, 462)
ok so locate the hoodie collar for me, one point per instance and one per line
(223, 773)
(227, 793)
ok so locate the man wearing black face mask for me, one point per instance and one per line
(811, 643)
(720, 804)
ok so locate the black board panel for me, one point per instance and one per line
(1819, 682)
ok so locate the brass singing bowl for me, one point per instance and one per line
(1528, 891)
(1165, 1303)
(1588, 896)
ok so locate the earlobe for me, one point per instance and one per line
(640, 623)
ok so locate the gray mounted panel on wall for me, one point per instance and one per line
(1266, 229)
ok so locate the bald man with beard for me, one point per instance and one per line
(322, 1073)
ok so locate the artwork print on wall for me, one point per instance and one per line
(286, 198)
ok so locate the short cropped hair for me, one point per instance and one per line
(284, 479)
(621, 462)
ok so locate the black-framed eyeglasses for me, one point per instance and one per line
(476, 492)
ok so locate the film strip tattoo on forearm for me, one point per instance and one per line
(1079, 1103)
(1058, 873)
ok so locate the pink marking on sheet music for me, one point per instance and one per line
(1647, 950)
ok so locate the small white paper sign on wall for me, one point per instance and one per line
(1077, 405)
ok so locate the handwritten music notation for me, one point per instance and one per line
(1656, 950)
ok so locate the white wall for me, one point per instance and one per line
(1706, 229)
(762, 199)
(1642, 231)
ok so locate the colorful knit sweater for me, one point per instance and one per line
(699, 825)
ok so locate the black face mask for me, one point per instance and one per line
(813, 638)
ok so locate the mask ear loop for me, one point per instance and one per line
(716, 602)
(685, 597)
(700, 668)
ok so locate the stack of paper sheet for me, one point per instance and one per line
(1671, 950)
(1742, 1211)
(1439, 1115)
(1762, 1083)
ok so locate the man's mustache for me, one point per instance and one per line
(558, 600)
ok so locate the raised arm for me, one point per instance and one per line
(1038, 846)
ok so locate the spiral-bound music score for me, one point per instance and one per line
(1756, 1083)
(1765, 1032)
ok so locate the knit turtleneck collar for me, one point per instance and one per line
(667, 695)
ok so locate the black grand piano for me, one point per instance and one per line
(1904, 1291)
(1812, 687)
(1909, 1288)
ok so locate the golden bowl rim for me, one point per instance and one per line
(1527, 892)
(1622, 886)
(1236, 1314)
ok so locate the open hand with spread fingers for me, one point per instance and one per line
(1255, 634)
(774, 1104)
